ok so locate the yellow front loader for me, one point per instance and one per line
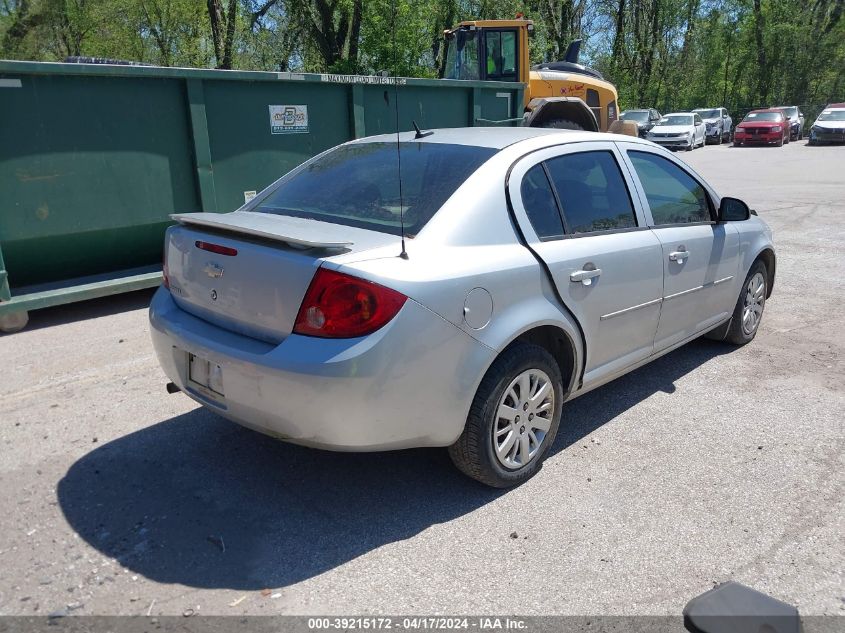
(561, 94)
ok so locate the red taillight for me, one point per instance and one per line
(216, 248)
(337, 305)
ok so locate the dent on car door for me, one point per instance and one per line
(700, 256)
(575, 211)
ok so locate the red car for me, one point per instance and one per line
(767, 127)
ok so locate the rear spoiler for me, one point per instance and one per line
(279, 228)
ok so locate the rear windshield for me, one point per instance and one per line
(763, 116)
(358, 185)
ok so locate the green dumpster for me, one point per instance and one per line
(95, 158)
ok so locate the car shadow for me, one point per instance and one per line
(200, 501)
(89, 309)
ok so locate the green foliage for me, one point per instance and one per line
(671, 54)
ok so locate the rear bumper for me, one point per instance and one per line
(408, 385)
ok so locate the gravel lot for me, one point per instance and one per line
(712, 463)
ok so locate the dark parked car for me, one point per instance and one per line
(796, 121)
(645, 119)
(764, 127)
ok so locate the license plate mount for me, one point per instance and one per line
(205, 376)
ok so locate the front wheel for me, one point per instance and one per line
(748, 311)
(513, 419)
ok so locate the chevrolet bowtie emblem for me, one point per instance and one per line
(213, 270)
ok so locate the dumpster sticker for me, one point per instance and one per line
(288, 119)
(248, 195)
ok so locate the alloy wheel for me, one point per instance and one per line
(753, 302)
(523, 418)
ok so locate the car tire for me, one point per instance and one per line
(562, 124)
(475, 453)
(779, 143)
(752, 297)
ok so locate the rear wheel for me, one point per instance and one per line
(748, 311)
(513, 419)
(562, 124)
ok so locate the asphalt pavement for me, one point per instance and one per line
(710, 464)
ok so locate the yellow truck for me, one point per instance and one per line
(563, 94)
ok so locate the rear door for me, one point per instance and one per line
(699, 255)
(574, 207)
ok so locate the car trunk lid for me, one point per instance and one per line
(248, 272)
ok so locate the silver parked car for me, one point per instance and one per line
(537, 265)
(718, 124)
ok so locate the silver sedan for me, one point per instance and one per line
(515, 269)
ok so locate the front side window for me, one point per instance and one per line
(592, 192)
(540, 205)
(673, 195)
(358, 185)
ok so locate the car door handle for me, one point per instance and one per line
(678, 256)
(584, 276)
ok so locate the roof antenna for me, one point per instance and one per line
(404, 253)
(420, 134)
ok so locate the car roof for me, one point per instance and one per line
(495, 137)
(766, 110)
(679, 113)
(703, 109)
(637, 110)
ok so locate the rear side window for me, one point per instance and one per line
(358, 184)
(540, 205)
(592, 192)
(673, 195)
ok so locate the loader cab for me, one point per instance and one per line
(488, 50)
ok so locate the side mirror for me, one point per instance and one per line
(733, 210)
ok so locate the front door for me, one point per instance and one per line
(573, 205)
(700, 256)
